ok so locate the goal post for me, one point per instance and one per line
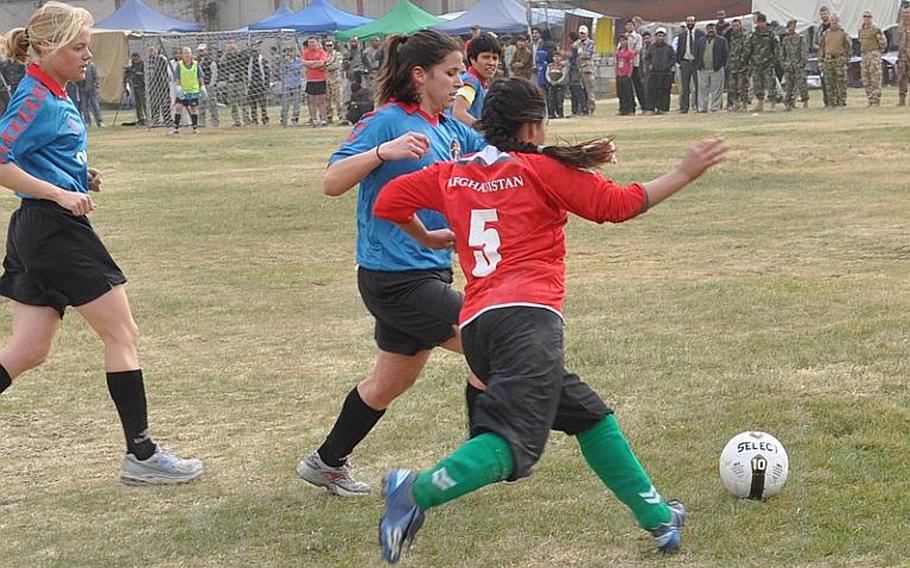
(242, 72)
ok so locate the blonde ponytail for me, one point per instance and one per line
(16, 46)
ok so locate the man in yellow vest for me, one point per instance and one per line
(189, 87)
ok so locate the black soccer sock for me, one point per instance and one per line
(128, 392)
(177, 118)
(194, 118)
(351, 427)
(470, 397)
(5, 379)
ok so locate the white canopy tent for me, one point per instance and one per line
(805, 12)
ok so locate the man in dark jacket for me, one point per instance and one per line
(660, 61)
(723, 27)
(89, 95)
(685, 57)
(361, 102)
(711, 60)
(258, 75)
(135, 78)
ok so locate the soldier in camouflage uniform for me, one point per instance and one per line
(334, 102)
(794, 56)
(871, 43)
(763, 49)
(834, 50)
(903, 63)
(824, 13)
(738, 62)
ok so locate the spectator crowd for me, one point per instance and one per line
(767, 64)
(720, 66)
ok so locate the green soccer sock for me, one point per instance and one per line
(609, 455)
(482, 460)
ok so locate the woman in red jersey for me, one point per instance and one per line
(507, 207)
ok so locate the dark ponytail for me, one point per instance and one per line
(512, 102)
(403, 53)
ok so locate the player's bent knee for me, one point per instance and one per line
(123, 337)
(392, 385)
(29, 357)
(380, 390)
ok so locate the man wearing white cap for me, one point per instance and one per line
(660, 60)
(586, 65)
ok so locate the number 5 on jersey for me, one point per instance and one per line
(485, 238)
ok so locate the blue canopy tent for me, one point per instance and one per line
(281, 12)
(506, 16)
(136, 16)
(318, 17)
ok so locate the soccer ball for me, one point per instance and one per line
(754, 465)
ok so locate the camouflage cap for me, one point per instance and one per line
(791, 24)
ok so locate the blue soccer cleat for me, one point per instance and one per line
(401, 518)
(669, 535)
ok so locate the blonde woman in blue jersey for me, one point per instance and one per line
(406, 286)
(54, 258)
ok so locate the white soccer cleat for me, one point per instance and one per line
(336, 480)
(164, 467)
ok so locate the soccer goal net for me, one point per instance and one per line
(246, 75)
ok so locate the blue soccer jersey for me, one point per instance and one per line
(43, 133)
(381, 245)
(473, 91)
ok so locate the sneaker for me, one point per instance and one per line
(164, 467)
(174, 132)
(336, 480)
(195, 130)
(401, 518)
(668, 535)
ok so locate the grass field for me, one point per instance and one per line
(774, 294)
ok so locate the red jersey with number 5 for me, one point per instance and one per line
(508, 212)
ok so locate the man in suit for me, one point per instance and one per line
(685, 58)
(711, 61)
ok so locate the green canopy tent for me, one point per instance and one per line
(404, 18)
